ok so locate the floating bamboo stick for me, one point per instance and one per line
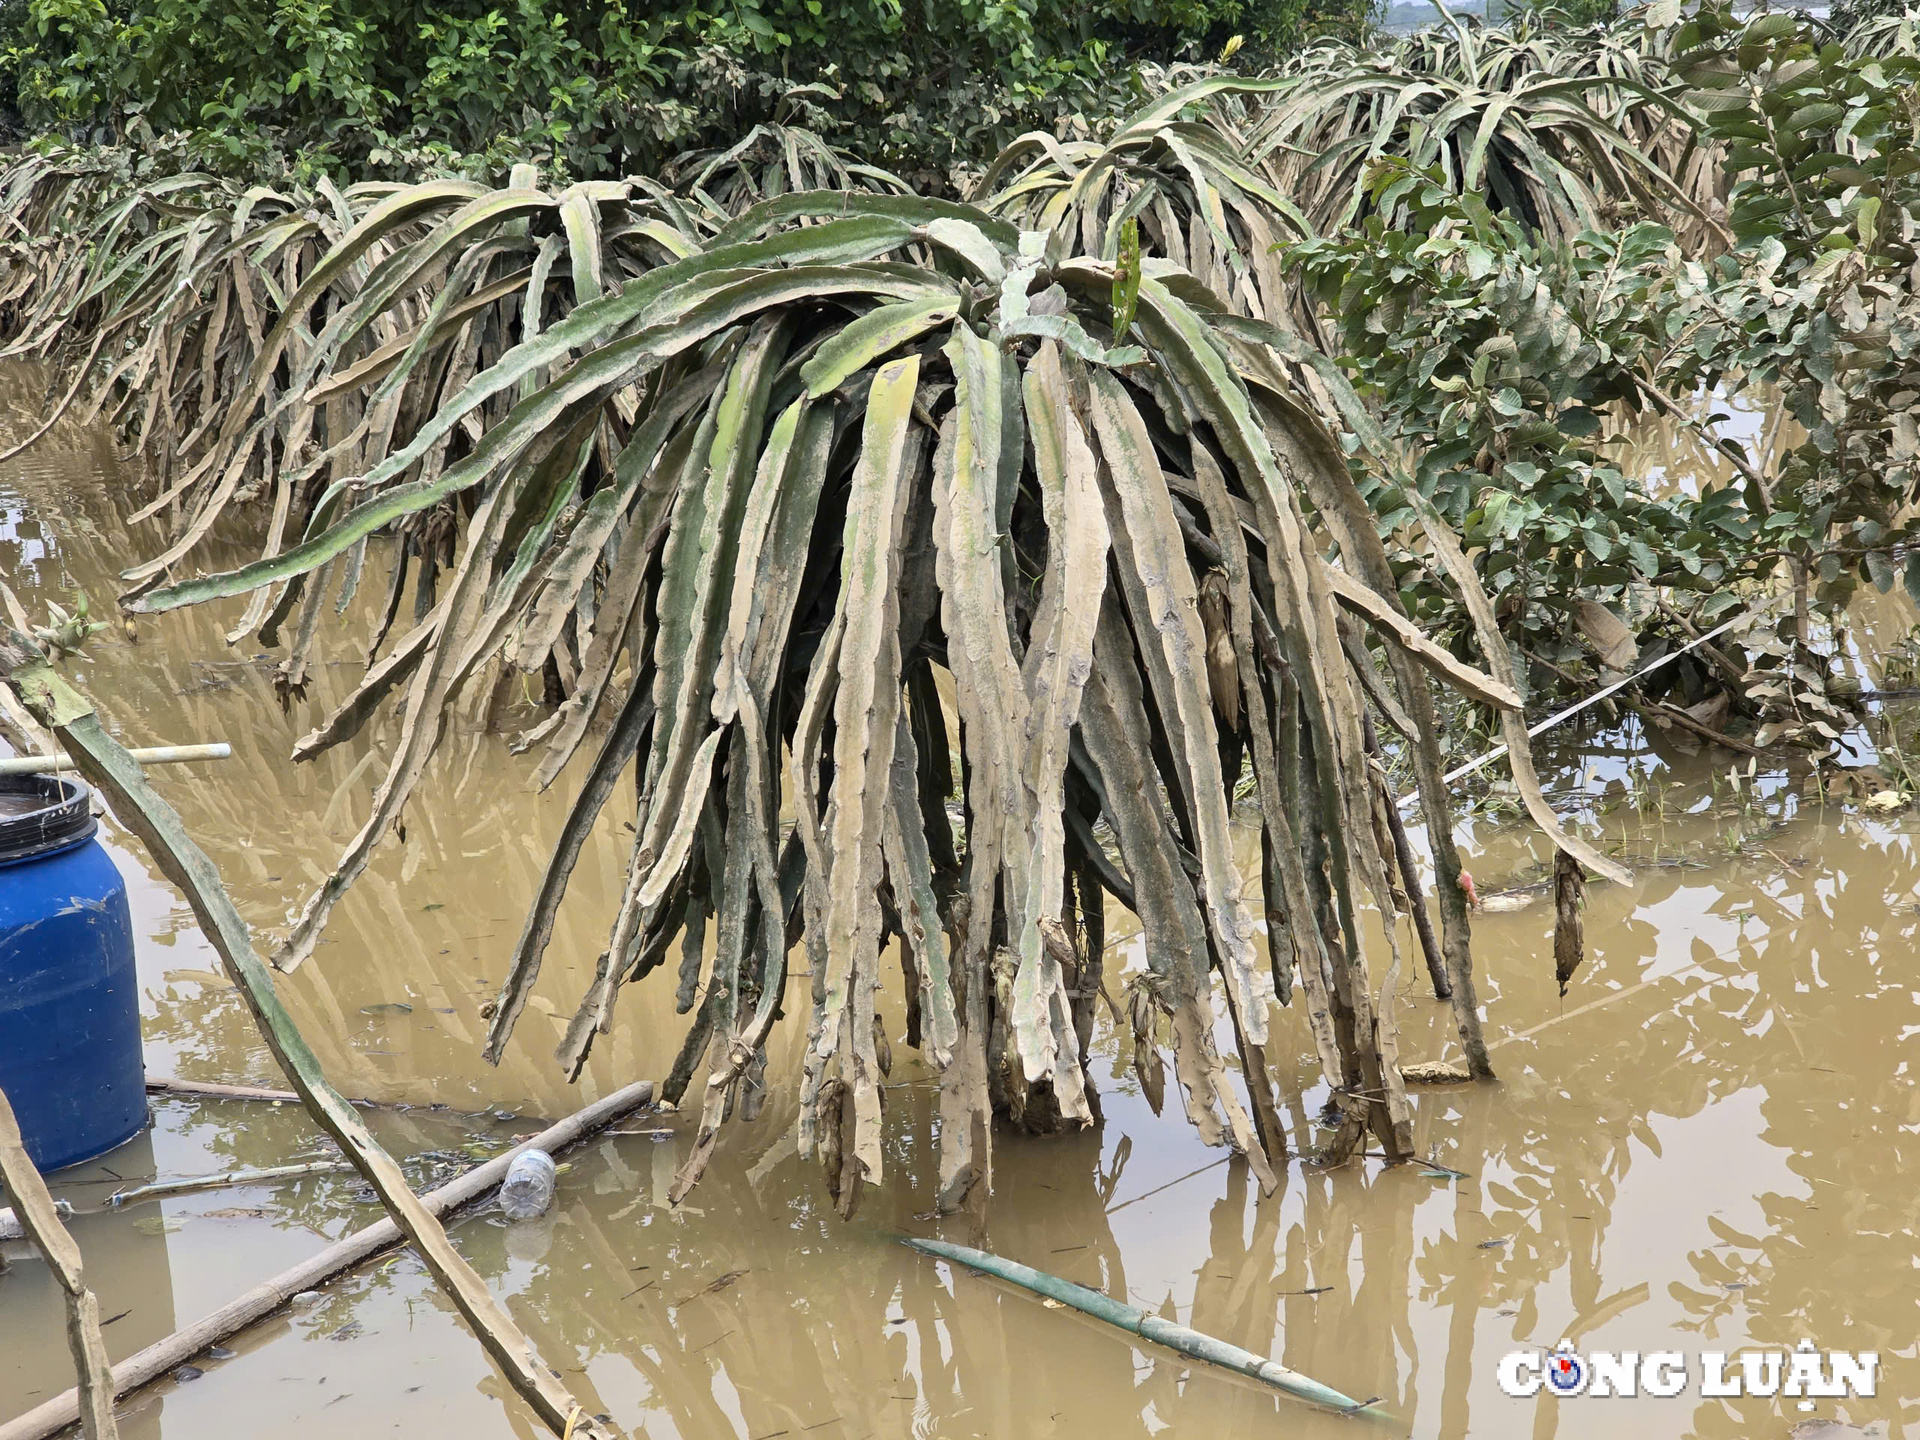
(225, 1178)
(168, 1085)
(93, 1400)
(153, 755)
(105, 765)
(215, 1090)
(1137, 1322)
(164, 1356)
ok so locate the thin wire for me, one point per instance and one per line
(1494, 754)
(1210, 1165)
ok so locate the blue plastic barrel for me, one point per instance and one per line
(69, 1001)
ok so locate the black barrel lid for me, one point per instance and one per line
(39, 813)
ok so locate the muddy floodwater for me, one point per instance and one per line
(1713, 1142)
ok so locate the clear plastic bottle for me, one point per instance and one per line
(528, 1188)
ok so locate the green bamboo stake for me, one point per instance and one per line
(1147, 1326)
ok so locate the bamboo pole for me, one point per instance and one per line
(163, 1357)
(167, 1085)
(33, 1205)
(1137, 1322)
(225, 1179)
(106, 766)
(153, 755)
(215, 1090)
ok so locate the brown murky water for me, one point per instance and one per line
(1711, 1143)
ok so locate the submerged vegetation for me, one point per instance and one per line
(1000, 543)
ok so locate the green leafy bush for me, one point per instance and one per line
(1817, 297)
(1496, 363)
(603, 89)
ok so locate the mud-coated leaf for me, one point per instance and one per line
(588, 383)
(1442, 662)
(1113, 723)
(910, 871)
(1126, 279)
(678, 840)
(866, 720)
(1513, 726)
(1151, 535)
(1058, 660)
(970, 243)
(767, 579)
(353, 712)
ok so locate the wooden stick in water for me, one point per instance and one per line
(163, 1357)
(93, 1400)
(167, 1085)
(215, 1090)
(226, 1178)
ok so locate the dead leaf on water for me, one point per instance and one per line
(1611, 640)
(159, 1224)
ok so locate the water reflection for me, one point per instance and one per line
(1709, 1157)
(129, 1271)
